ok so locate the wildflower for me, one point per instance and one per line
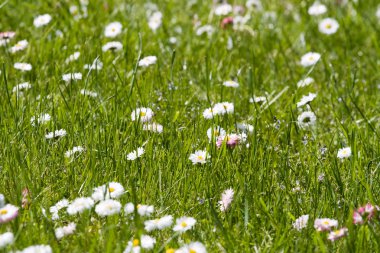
(254, 4)
(344, 153)
(142, 114)
(56, 134)
(301, 222)
(199, 157)
(154, 127)
(226, 22)
(232, 84)
(77, 149)
(183, 224)
(364, 213)
(113, 29)
(7, 35)
(113, 46)
(146, 242)
(223, 9)
(224, 107)
(305, 82)
(22, 86)
(209, 113)
(72, 77)
(8, 213)
(325, 224)
(96, 64)
(258, 100)
(112, 190)
(21, 45)
(73, 57)
(155, 21)
(306, 99)
(306, 119)
(129, 208)
(42, 20)
(37, 249)
(335, 235)
(65, 231)
(328, 26)
(6, 239)
(209, 29)
(193, 247)
(317, 9)
(22, 66)
(26, 200)
(147, 61)
(215, 132)
(231, 140)
(108, 207)
(145, 210)
(159, 224)
(227, 197)
(40, 119)
(244, 127)
(88, 93)
(310, 59)
(79, 205)
(58, 206)
(135, 154)
(357, 218)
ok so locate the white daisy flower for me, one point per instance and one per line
(245, 127)
(96, 64)
(199, 157)
(226, 200)
(224, 107)
(147, 242)
(21, 45)
(223, 9)
(56, 134)
(59, 205)
(113, 29)
(37, 249)
(112, 190)
(215, 132)
(22, 86)
(183, 224)
(142, 114)
(135, 246)
(88, 93)
(42, 20)
(232, 84)
(108, 207)
(305, 82)
(79, 205)
(40, 119)
(255, 99)
(306, 99)
(344, 153)
(73, 57)
(145, 210)
(129, 208)
(73, 151)
(72, 77)
(328, 26)
(113, 46)
(155, 21)
(65, 230)
(325, 224)
(22, 66)
(317, 9)
(307, 119)
(8, 213)
(209, 113)
(254, 4)
(135, 154)
(6, 239)
(310, 59)
(159, 224)
(154, 127)
(147, 61)
(193, 247)
(209, 29)
(301, 222)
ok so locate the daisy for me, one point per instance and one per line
(159, 224)
(22, 66)
(344, 153)
(6, 239)
(325, 224)
(147, 61)
(301, 222)
(88, 93)
(183, 224)
(42, 20)
(145, 210)
(40, 119)
(154, 127)
(231, 140)
(21, 45)
(224, 107)
(96, 64)
(112, 190)
(108, 207)
(310, 59)
(193, 247)
(146, 242)
(306, 119)
(72, 77)
(232, 84)
(227, 197)
(37, 249)
(258, 99)
(7, 35)
(317, 9)
(254, 4)
(306, 99)
(8, 213)
(58, 206)
(305, 82)
(223, 9)
(244, 127)
(65, 231)
(209, 113)
(215, 132)
(328, 26)
(79, 205)
(73, 57)
(113, 29)
(155, 21)
(135, 154)
(209, 29)
(129, 208)
(335, 235)
(142, 114)
(113, 46)
(56, 134)
(22, 86)
(77, 149)
(199, 157)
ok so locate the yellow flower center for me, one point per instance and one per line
(183, 224)
(142, 114)
(2, 212)
(326, 223)
(171, 250)
(200, 157)
(328, 26)
(192, 251)
(113, 29)
(138, 206)
(136, 242)
(111, 189)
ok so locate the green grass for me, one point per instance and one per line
(265, 63)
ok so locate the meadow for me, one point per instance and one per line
(189, 126)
